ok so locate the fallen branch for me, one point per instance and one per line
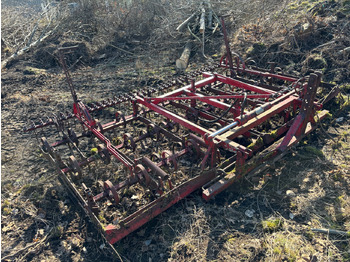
(184, 23)
(21, 52)
(35, 245)
(120, 49)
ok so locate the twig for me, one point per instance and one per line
(324, 131)
(196, 37)
(121, 49)
(76, 62)
(116, 252)
(42, 241)
(36, 244)
(216, 27)
(331, 231)
(19, 251)
(325, 44)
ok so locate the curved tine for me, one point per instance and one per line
(33, 124)
(48, 119)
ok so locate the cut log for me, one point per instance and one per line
(183, 25)
(202, 22)
(182, 62)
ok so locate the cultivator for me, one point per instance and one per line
(202, 131)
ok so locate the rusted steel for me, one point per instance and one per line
(224, 126)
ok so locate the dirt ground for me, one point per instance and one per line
(267, 217)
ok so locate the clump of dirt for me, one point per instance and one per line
(47, 56)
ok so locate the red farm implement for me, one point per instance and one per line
(203, 131)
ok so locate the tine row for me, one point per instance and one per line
(117, 99)
(49, 120)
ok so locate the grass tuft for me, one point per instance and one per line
(272, 224)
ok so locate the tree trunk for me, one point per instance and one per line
(202, 22)
(182, 62)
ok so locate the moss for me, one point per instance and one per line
(345, 105)
(259, 142)
(232, 241)
(345, 88)
(94, 151)
(5, 204)
(344, 145)
(314, 151)
(102, 218)
(6, 211)
(274, 133)
(250, 50)
(293, 206)
(56, 232)
(343, 101)
(272, 224)
(229, 238)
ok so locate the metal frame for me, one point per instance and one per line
(221, 119)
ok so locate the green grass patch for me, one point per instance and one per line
(272, 224)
